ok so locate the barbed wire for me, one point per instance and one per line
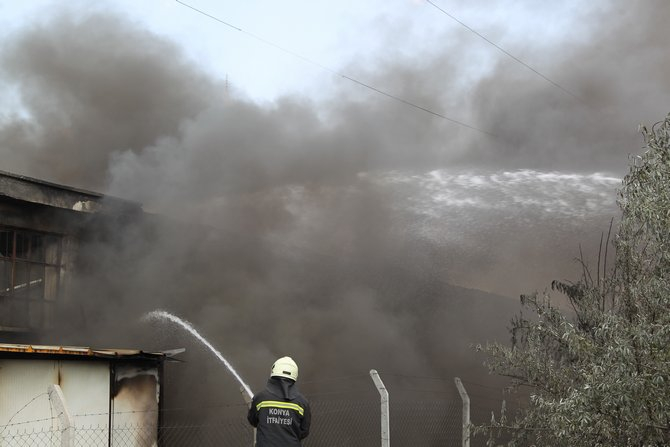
(340, 418)
(22, 408)
(32, 421)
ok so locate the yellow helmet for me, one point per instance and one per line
(285, 367)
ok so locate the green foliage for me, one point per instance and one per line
(598, 373)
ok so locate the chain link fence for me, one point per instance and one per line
(29, 437)
(341, 418)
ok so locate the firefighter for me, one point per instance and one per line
(280, 413)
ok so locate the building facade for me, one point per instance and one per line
(41, 229)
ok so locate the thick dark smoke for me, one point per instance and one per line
(335, 230)
(619, 76)
(92, 86)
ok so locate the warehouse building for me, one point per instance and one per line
(41, 227)
(64, 395)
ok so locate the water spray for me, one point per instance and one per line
(163, 315)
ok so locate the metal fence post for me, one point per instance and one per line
(466, 411)
(386, 428)
(58, 400)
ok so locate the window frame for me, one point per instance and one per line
(27, 300)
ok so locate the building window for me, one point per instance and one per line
(30, 267)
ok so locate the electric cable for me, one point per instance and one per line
(334, 72)
(502, 50)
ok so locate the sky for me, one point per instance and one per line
(372, 152)
(268, 49)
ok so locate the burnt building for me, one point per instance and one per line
(41, 229)
(114, 396)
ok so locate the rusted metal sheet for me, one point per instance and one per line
(75, 350)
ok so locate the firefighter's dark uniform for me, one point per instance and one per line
(280, 414)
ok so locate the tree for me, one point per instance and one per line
(598, 374)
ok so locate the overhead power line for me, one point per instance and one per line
(502, 50)
(334, 72)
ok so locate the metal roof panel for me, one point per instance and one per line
(79, 351)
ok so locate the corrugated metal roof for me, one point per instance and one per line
(82, 351)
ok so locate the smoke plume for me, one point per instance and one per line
(336, 230)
